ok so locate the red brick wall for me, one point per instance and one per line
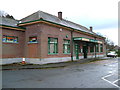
(50, 31)
(13, 50)
(0, 42)
(40, 49)
(33, 50)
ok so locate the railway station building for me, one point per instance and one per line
(42, 38)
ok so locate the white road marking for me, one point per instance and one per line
(113, 83)
(116, 80)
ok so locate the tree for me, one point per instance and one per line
(118, 52)
(109, 44)
(4, 14)
(9, 16)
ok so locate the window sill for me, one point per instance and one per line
(32, 42)
(52, 53)
(66, 53)
(10, 43)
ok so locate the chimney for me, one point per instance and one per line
(91, 28)
(60, 15)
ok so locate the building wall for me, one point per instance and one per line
(55, 32)
(50, 31)
(13, 50)
(33, 50)
(37, 53)
(0, 45)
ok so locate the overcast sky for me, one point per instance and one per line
(101, 14)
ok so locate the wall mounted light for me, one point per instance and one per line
(61, 29)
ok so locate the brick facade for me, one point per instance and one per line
(38, 52)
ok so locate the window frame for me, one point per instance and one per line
(92, 49)
(33, 37)
(7, 41)
(66, 44)
(55, 45)
(101, 47)
(97, 47)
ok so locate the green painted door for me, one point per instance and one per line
(77, 51)
(85, 50)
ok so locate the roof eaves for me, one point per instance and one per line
(7, 26)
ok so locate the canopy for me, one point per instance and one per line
(87, 39)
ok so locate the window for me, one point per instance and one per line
(10, 39)
(33, 39)
(66, 46)
(92, 48)
(52, 45)
(101, 47)
(97, 47)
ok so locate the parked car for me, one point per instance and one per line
(112, 54)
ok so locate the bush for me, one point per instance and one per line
(118, 52)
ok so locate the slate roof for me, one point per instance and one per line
(8, 22)
(52, 18)
(45, 16)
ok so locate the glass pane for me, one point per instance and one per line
(65, 48)
(66, 42)
(32, 39)
(101, 48)
(97, 48)
(51, 40)
(55, 40)
(51, 48)
(15, 40)
(91, 48)
(68, 48)
(55, 48)
(11, 39)
(4, 38)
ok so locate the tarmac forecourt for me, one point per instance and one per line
(114, 82)
(112, 78)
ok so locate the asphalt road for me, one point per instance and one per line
(99, 74)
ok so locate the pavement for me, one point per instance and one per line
(19, 66)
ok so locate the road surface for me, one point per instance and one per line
(98, 74)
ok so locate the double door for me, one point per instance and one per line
(85, 50)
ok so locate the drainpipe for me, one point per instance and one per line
(71, 45)
(95, 48)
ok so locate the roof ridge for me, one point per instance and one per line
(40, 14)
(49, 14)
(63, 19)
(30, 15)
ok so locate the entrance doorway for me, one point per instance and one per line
(77, 51)
(85, 50)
